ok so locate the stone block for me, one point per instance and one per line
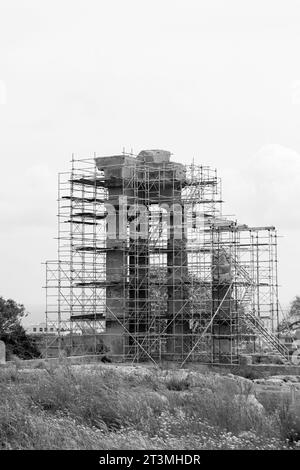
(154, 156)
(117, 166)
(245, 360)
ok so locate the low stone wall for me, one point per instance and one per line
(72, 360)
(261, 369)
(249, 371)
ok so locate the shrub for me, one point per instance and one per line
(177, 384)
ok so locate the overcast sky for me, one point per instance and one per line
(215, 80)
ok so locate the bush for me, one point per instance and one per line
(177, 384)
(282, 409)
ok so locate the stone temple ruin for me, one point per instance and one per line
(149, 269)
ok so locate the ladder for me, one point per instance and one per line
(253, 321)
(273, 342)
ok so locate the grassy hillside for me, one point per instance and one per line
(111, 407)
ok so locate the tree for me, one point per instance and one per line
(13, 333)
(292, 318)
(295, 307)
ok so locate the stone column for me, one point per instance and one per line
(2, 353)
(221, 301)
(117, 170)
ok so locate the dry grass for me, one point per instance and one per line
(100, 408)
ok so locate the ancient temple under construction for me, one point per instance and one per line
(149, 269)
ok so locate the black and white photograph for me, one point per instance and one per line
(150, 231)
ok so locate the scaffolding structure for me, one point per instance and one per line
(149, 269)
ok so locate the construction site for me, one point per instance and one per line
(150, 269)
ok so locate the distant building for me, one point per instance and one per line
(288, 340)
(41, 329)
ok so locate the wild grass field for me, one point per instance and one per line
(114, 407)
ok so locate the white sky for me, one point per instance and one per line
(215, 80)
